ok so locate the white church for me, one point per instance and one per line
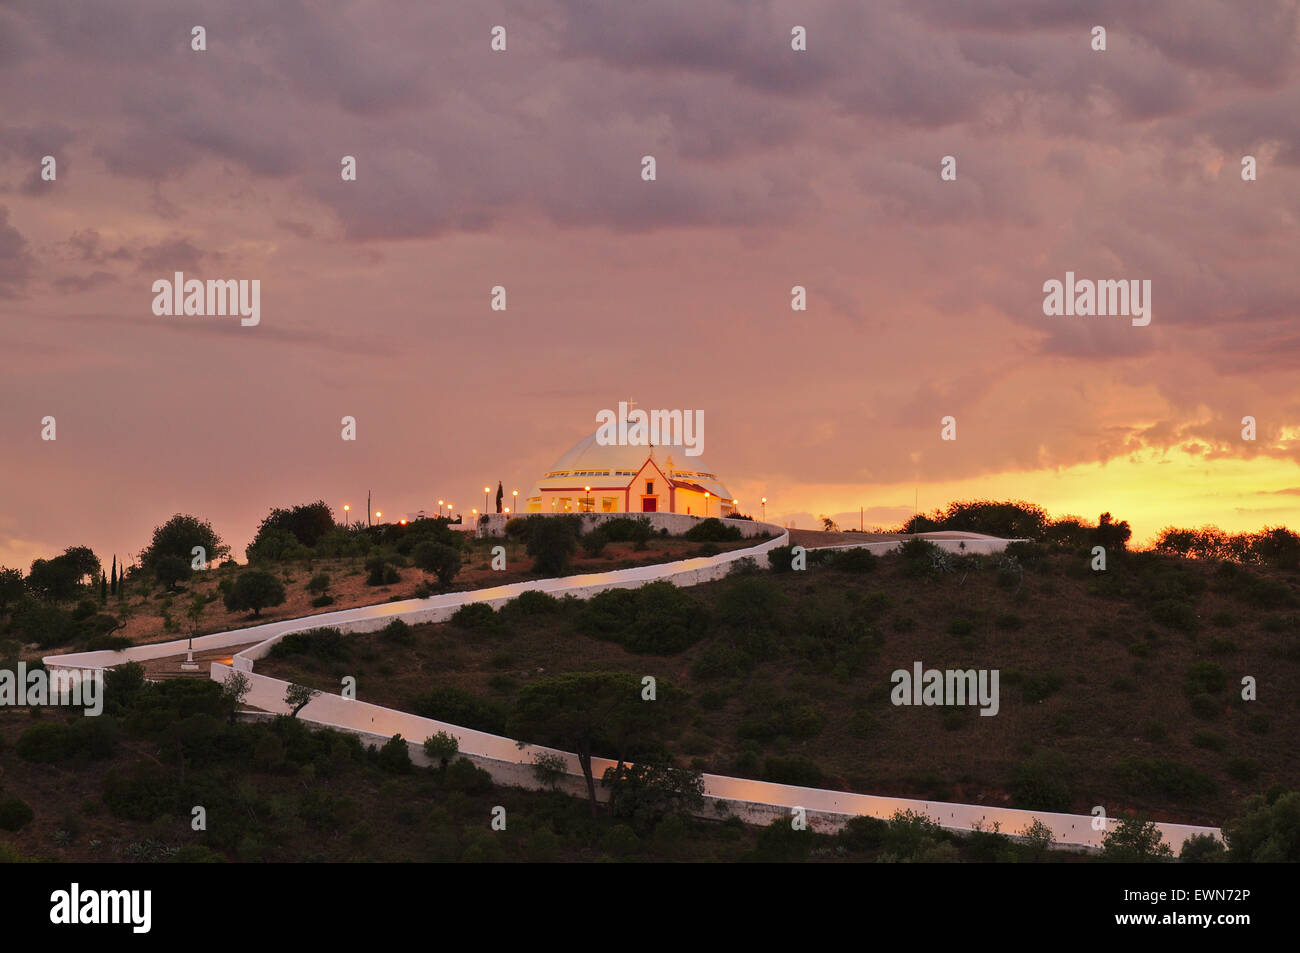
(596, 477)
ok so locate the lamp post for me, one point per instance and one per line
(486, 491)
(440, 509)
(764, 501)
(378, 515)
(588, 500)
(706, 504)
(515, 494)
(347, 519)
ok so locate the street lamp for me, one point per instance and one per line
(588, 500)
(378, 515)
(706, 504)
(764, 501)
(515, 494)
(347, 520)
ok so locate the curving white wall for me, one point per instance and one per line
(507, 760)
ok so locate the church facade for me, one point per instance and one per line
(597, 478)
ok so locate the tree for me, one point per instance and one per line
(113, 584)
(551, 543)
(11, 587)
(273, 545)
(442, 746)
(1268, 830)
(57, 579)
(439, 559)
(589, 711)
(178, 537)
(1111, 535)
(1134, 841)
(297, 696)
(829, 525)
(234, 690)
(169, 570)
(194, 612)
(255, 590)
(651, 788)
(308, 523)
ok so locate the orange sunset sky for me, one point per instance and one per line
(522, 169)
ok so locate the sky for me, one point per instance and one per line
(523, 169)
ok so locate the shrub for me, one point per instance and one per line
(15, 814)
(532, 602)
(712, 530)
(624, 529)
(441, 747)
(781, 558)
(475, 615)
(1267, 831)
(322, 601)
(1135, 841)
(593, 543)
(254, 590)
(792, 770)
(1140, 776)
(395, 756)
(1040, 782)
(1207, 677)
(779, 842)
(319, 583)
(169, 570)
(1202, 849)
(439, 559)
(658, 618)
(44, 743)
(1205, 706)
(380, 571)
(551, 544)
(1242, 769)
(863, 833)
(459, 707)
(1175, 614)
(325, 644)
(788, 717)
(465, 776)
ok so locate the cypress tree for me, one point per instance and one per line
(103, 587)
(114, 586)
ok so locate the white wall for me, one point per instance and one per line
(756, 801)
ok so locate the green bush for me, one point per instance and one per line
(1202, 849)
(1207, 677)
(658, 618)
(459, 707)
(395, 756)
(475, 615)
(255, 590)
(1175, 614)
(45, 743)
(712, 530)
(438, 559)
(15, 814)
(1041, 782)
(551, 543)
(1158, 776)
(441, 746)
(326, 644)
(593, 543)
(1267, 831)
(465, 776)
(793, 770)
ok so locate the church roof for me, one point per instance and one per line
(590, 463)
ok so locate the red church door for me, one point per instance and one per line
(649, 504)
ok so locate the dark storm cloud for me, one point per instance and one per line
(15, 258)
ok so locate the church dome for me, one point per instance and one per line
(589, 462)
